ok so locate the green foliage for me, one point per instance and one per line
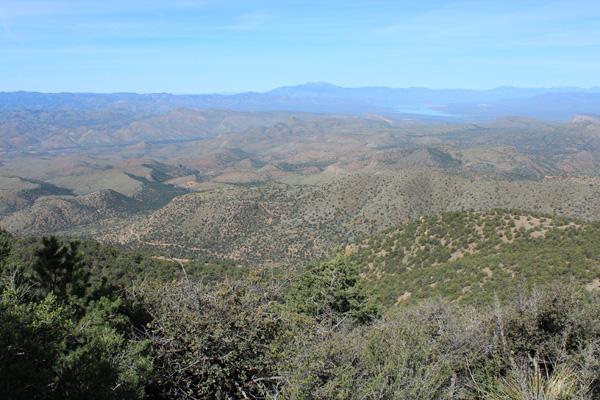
(470, 256)
(332, 290)
(532, 384)
(437, 350)
(139, 332)
(213, 342)
(5, 246)
(55, 347)
(101, 360)
(32, 342)
(59, 269)
(393, 359)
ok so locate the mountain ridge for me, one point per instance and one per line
(449, 104)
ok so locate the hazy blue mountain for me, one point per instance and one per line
(164, 102)
(414, 103)
(390, 97)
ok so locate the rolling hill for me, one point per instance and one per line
(476, 256)
(282, 187)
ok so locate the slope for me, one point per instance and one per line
(473, 256)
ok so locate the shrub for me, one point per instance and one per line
(212, 341)
(333, 291)
(530, 383)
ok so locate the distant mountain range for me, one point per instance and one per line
(39, 130)
(410, 104)
(392, 97)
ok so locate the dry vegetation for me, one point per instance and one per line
(291, 189)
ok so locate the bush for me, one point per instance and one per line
(213, 341)
(333, 291)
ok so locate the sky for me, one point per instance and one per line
(223, 46)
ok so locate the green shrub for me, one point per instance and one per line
(333, 291)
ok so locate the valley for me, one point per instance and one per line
(279, 187)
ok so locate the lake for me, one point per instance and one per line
(421, 110)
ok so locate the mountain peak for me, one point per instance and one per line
(309, 89)
(319, 85)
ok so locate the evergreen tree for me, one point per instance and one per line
(332, 290)
(59, 269)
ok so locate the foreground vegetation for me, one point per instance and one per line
(80, 319)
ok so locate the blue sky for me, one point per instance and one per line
(205, 46)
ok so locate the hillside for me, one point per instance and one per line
(294, 189)
(473, 257)
(289, 223)
(42, 130)
(141, 325)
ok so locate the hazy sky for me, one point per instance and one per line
(207, 46)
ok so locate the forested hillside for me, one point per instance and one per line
(500, 303)
(477, 257)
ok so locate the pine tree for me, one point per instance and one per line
(59, 269)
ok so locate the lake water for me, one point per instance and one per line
(419, 110)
